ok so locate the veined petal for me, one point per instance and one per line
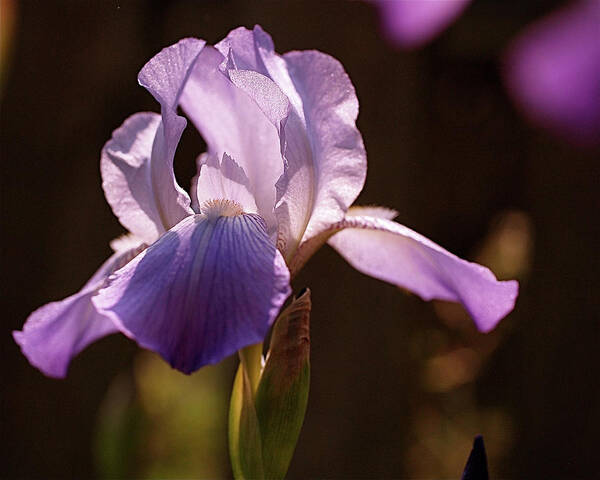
(58, 331)
(392, 252)
(412, 23)
(231, 122)
(208, 287)
(126, 176)
(338, 155)
(553, 72)
(224, 180)
(165, 76)
(245, 50)
(325, 159)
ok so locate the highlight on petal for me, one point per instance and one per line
(206, 288)
(126, 176)
(56, 332)
(267, 95)
(165, 76)
(413, 23)
(330, 109)
(231, 122)
(392, 252)
(325, 162)
(246, 50)
(552, 71)
(224, 180)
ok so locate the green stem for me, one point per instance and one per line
(251, 358)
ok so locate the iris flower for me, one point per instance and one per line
(202, 275)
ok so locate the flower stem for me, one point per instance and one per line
(251, 358)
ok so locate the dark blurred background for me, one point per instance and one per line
(399, 387)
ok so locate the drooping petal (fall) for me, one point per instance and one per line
(553, 72)
(56, 332)
(127, 179)
(224, 180)
(208, 287)
(325, 157)
(392, 252)
(412, 23)
(165, 76)
(231, 122)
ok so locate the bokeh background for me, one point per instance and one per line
(399, 387)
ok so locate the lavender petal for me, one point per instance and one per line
(393, 253)
(165, 76)
(208, 287)
(56, 332)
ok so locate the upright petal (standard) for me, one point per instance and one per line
(232, 123)
(125, 166)
(325, 158)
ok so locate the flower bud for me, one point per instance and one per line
(264, 426)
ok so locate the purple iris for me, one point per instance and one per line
(199, 278)
(413, 23)
(553, 72)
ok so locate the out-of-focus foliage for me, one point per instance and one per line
(8, 24)
(157, 423)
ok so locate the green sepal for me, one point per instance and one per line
(282, 393)
(245, 449)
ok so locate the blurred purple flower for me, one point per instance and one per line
(199, 278)
(553, 72)
(413, 23)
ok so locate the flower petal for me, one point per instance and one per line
(165, 76)
(325, 159)
(232, 123)
(267, 95)
(553, 72)
(206, 288)
(392, 252)
(224, 180)
(330, 109)
(126, 176)
(412, 23)
(58, 331)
